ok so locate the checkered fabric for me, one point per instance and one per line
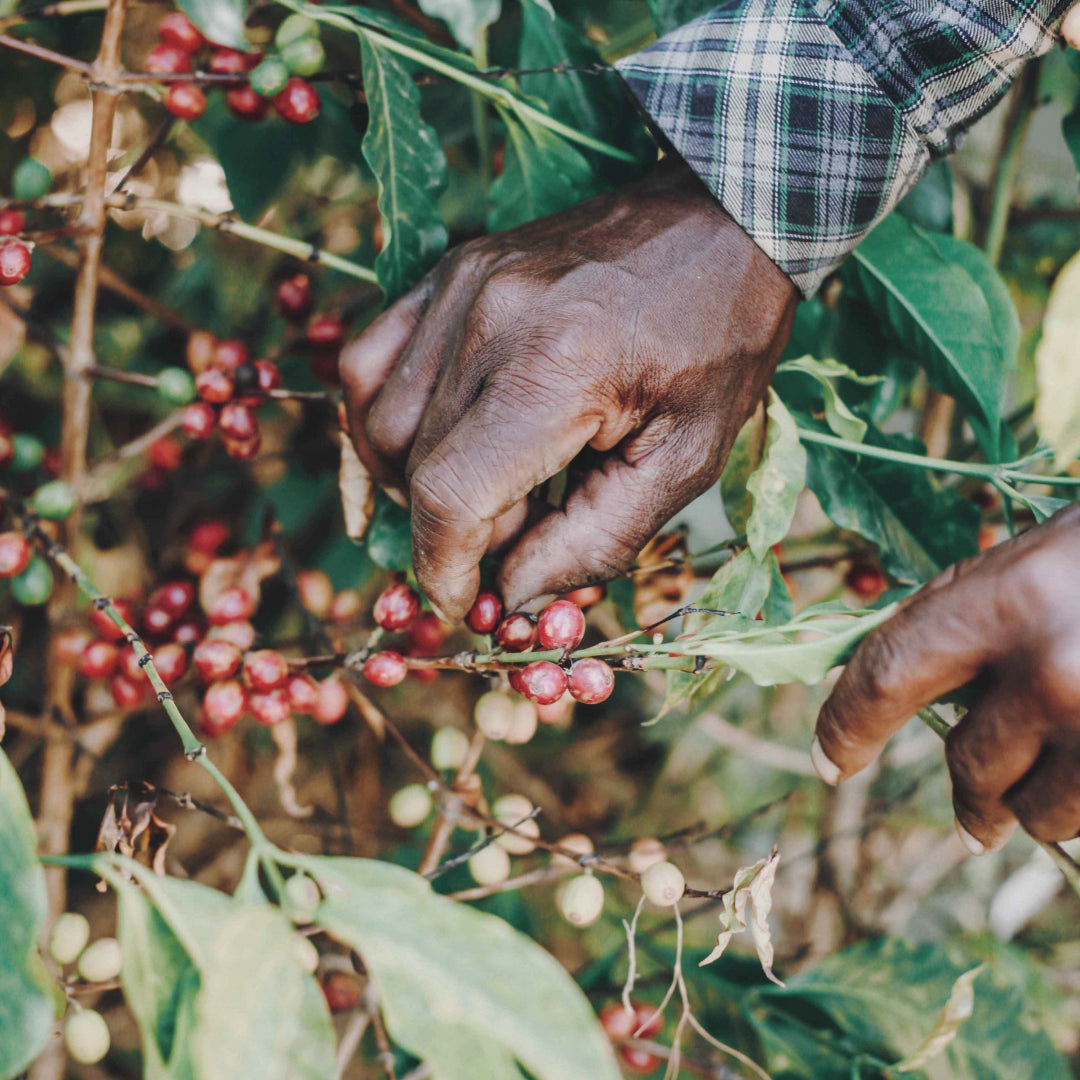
(809, 119)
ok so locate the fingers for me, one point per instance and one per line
(1047, 800)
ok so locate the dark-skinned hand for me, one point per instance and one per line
(1007, 622)
(641, 327)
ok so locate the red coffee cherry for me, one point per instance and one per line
(223, 705)
(265, 670)
(157, 621)
(99, 660)
(333, 701)
(185, 101)
(14, 554)
(165, 454)
(635, 1059)
(241, 633)
(560, 626)
(586, 596)
(106, 627)
(171, 661)
(543, 682)
(517, 632)
(341, 990)
(238, 421)
(485, 613)
(326, 331)
(69, 645)
(242, 449)
(303, 693)
(234, 604)
(214, 385)
(168, 59)
(385, 668)
(216, 659)
(295, 297)
(315, 592)
(271, 707)
(427, 635)
(15, 262)
(128, 693)
(591, 680)
(198, 420)
(298, 102)
(245, 104)
(620, 1024)
(517, 684)
(189, 632)
(209, 536)
(229, 353)
(177, 29)
(866, 582)
(12, 221)
(231, 62)
(176, 597)
(397, 607)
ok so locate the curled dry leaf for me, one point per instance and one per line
(284, 736)
(248, 570)
(357, 490)
(667, 584)
(131, 828)
(957, 1009)
(7, 654)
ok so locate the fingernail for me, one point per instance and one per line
(827, 769)
(969, 841)
(438, 612)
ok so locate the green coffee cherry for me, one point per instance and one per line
(270, 77)
(301, 898)
(34, 585)
(176, 386)
(87, 1036)
(582, 900)
(663, 883)
(494, 714)
(448, 748)
(410, 806)
(31, 179)
(68, 937)
(306, 953)
(490, 865)
(28, 452)
(304, 57)
(55, 500)
(294, 28)
(101, 961)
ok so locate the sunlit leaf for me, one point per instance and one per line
(221, 21)
(1057, 408)
(466, 18)
(777, 482)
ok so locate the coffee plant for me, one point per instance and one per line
(262, 813)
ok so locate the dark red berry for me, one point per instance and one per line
(385, 668)
(231, 62)
(171, 661)
(128, 693)
(223, 705)
(560, 626)
(427, 634)
(129, 665)
(246, 383)
(99, 660)
(397, 607)
(271, 707)
(866, 582)
(189, 632)
(14, 554)
(232, 605)
(303, 693)
(15, 262)
(185, 101)
(586, 596)
(245, 104)
(69, 645)
(324, 366)
(12, 221)
(265, 670)
(326, 331)
(238, 421)
(591, 681)
(485, 613)
(177, 29)
(168, 59)
(341, 990)
(269, 375)
(620, 1024)
(298, 102)
(240, 632)
(230, 354)
(209, 536)
(517, 684)
(637, 1059)
(214, 385)
(543, 681)
(176, 597)
(333, 701)
(198, 420)
(295, 297)
(165, 454)
(157, 621)
(106, 627)
(517, 632)
(418, 673)
(242, 449)
(215, 659)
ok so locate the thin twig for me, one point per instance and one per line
(41, 53)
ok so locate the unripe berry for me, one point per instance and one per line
(397, 607)
(216, 660)
(306, 953)
(523, 725)
(15, 554)
(645, 852)
(86, 1036)
(214, 386)
(663, 883)
(176, 386)
(558, 714)
(304, 57)
(265, 670)
(316, 592)
(293, 28)
(484, 615)
(12, 221)
(34, 585)
(28, 452)
(171, 661)
(270, 707)
(68, 937)
(494, 714)
(410, 806)
(101, 961)
(168, 60)
(333, 702)
(232, 605)
(301, 898)
(449, 748)
(177, 29)
(99, 660)
(490, 865)
(517, 632)
(295, 298)
(128, 693)
(185, 101)
(512, 811)
(200, 350)
(578, 843)
(326, 331)
(55, 500)
(298, 103)
(543, 681)
(30, 179)
(346, 607)
(270, 78)
(303, 693)
(385, 668)
(223, 705)
(581, 900)
(591, 680)
(560, 626)
(238, 421)
(245, 104)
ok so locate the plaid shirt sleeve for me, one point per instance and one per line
(809, 119)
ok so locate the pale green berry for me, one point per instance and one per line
(494, 714)
(87, 1036)
(490, 865)
(410, 806)
(524, 722)
(296, 26)
(663, 883)
(510, 810)
(176, 386)
(644, 852)
(581, 900)
(448, 748)
(68, 937)
(301, 898)
(306, 953)
(101, 961)
(578, 843)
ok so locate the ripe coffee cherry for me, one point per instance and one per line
(101, 961)
(638, 1060)
(215, 660)
(223, 705)
(298, 103)
(490, 865)
(494, 714)
(86, 1036)
(511, 811)
(14, 554)
(176, 597)
(165, 453)
(581, 900)
(12, 221)
(265, 670)
(34, 585)
(304, 56)
(229, 353)
(68, 937)
(245, 104)
(269, 376)
(315, 591)
(449, 748)
(427, 635)
(69, 645)
(560, 626)
(156, 621)
(646, 851)
(106, 627)
(99, 660)
(485, 613)
(214, 385)
(517, 632)
(233, 605)
(303, 693)
(231, 62)
(240, 633)
(185, 101)
(209, 536)
(242, 449)
(238, 421)
(591, 680)
(385, 668)
(270, 708)
(326, 331)
(341, 990)
(866, 582)
(175, 385)
(333, 702)
(641, 1022)
(128, 693)
(397, 607)
(168, 60)
(295, 297)
(15, 262)
(663, 883)
(543, 681)
(7, 443)
(410, 806)
(189, 632)
(177, 29)
(171, 661)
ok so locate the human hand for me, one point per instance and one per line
(644, 325)
(1008, 621)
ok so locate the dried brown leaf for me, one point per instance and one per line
(248, 571)
(284, 736)
(357, 490)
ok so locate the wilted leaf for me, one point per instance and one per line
(837, 414)
(7, 654)
(776, 483)
(664, 579)
(357, 491)
(247, 571)
(744, 458)
(284, 736)
(957, 1009)
(1057, 366)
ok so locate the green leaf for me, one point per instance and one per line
(930, 202)
(671, 14)
(26, 1001)
(221, 21)
(837, 414)
(776, 483)
(945, 303)
(1057, 409)
(466, 18)
(457, 983)
(744, 458)
(389, 536)
(410, 167)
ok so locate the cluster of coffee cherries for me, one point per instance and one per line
(324, 332)
(30, 179)
(276, 80)
(640, 1022)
